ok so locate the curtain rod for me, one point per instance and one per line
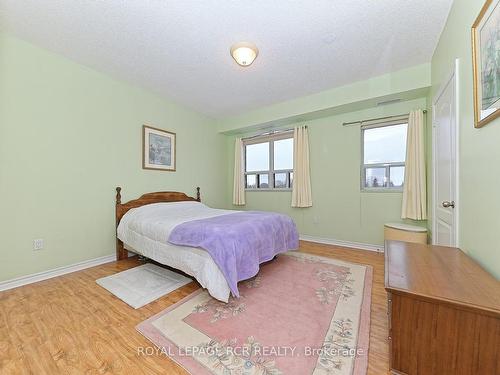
(376, 119)
(272, 132)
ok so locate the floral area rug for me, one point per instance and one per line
(302, 314)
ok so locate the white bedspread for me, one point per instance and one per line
(146, 229)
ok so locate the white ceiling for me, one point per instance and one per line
(180, 48)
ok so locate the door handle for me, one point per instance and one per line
(447, 204)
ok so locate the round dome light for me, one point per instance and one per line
(244, 53)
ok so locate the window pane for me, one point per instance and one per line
(375, 177)
(257, 157)
(280, 180)
(385, 144)
(263, 181)
(291, 179)
(283, 154)
(251, 181)
(397, 176)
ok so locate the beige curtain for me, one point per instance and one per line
(414, 190)
(301, 191)
(239, 175)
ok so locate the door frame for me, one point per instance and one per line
(453, 76)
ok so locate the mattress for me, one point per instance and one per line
(145, 230)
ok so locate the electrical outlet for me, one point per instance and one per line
(38, 244)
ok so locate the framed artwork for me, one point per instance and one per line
(158, 149)
(486, 63)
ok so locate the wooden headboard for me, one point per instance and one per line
(149, 198)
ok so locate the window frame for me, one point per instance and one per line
(271, 138)
(387, 166)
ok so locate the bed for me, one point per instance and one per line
(146, 225)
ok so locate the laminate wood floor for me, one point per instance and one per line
(70, 325)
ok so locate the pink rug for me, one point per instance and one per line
(302, 314)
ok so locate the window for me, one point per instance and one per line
(384, 154)
(269, 162)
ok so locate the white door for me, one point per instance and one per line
(445, 171)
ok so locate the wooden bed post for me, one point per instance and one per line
(121, 253)
(118, 195)
(198, 195)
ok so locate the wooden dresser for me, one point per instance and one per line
(444, 312)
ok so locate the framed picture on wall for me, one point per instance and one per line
(486, 63)
(158, 149)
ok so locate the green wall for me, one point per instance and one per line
(340, 210)
(479, 201)
(409, 83)
(68, 136)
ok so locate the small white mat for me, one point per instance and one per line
(143, 284)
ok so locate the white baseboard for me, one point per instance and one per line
(35, 277)
(40, 276)
(332, 241)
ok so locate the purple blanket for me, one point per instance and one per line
(239, 242)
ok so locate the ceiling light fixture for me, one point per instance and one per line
(244, 53)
